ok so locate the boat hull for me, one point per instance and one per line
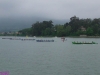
(83, 43)
(45, 40)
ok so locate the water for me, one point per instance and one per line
(50, 58)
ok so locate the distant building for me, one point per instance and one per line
(83, 35)
(82, 28)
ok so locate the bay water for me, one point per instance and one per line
(49, 58)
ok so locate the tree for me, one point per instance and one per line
(74, 23)
(89, 31)
(39, 27)
(60, 30)
(46, 32)
(67, 30)
(27, 31)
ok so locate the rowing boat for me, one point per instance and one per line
(84, 42)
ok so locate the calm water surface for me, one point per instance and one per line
(50, 58)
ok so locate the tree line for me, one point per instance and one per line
(75, 27)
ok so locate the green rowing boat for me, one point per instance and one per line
(84, 42)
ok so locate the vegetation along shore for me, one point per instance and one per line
(75, 27)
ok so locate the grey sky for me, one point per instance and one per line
(53, 9)
(23, 13)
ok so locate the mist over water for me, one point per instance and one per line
(16, 24)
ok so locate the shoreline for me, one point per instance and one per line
(56, 36)
(84, 36)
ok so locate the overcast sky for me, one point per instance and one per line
(49, 9)
(53, 9)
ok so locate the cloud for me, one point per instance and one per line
(53, 9)
(23, 13)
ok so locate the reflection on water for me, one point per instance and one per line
(50, 58)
